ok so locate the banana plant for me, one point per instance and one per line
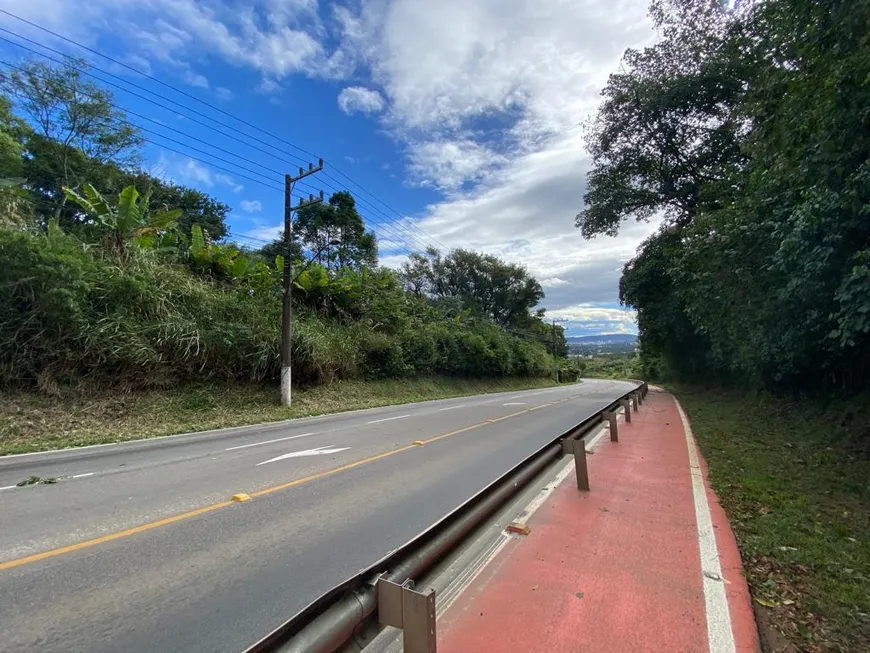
(224, 258)
(131, 220)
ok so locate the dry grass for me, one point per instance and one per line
(35, 422)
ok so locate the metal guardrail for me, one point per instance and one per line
(378, 592)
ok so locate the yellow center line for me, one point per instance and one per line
(111, 536)
(86, 544)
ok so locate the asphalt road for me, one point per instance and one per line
(138, 547)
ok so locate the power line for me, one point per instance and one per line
(69, 59)
(213, 108)
(151, 101)
(439, 244)
(413, 244)
(394, 228)
(144, 74)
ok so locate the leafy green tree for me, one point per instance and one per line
(750, 130)
(271, 250)
(335, 235)
(666, 128)
(76, 127)
(15, 205)
(503, 292)
(13, 131)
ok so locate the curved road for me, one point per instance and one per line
(139, 547)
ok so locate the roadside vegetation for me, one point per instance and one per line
(746, 130)
(32, 421)
(118, 284)
(793, 479)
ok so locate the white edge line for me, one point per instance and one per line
(256, 444)
(291, 421)
(8, 487)
(83, 475)
(387, 419)
(720, 637)
(441, 410)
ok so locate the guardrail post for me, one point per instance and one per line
(610, 416)
(580, 465)
(403, 607)
(626, 404)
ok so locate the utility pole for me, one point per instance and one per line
(555, 362)
(287, 304)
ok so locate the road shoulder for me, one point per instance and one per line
(645, 561)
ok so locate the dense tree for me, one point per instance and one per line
(335, 235)
(666, 128)
(761, 126)
(503, 292)
(76, 126)
(128, 282)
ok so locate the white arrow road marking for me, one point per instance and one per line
(319, 451)
(515, 403)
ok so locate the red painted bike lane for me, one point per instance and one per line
(645, 561)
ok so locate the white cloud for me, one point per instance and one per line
(524, 213)
(223, 93)
(360, 99)
(450, 164)
(195, 79)
(185, 170)
(268, 85)
(227, 180)
(275, 37)
(484, 96)
(251, 206)
(488, 96)
(585, 318)
(266, 233)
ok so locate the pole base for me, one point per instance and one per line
(285, 387)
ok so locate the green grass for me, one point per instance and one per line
(36, 422)
(793, 478)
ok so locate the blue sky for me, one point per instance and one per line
(458, 122)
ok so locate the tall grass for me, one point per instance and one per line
(72, 312)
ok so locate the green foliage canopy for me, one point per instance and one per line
(750, 130)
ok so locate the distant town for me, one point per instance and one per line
(588, 346)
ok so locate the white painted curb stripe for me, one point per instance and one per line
(720, 638)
